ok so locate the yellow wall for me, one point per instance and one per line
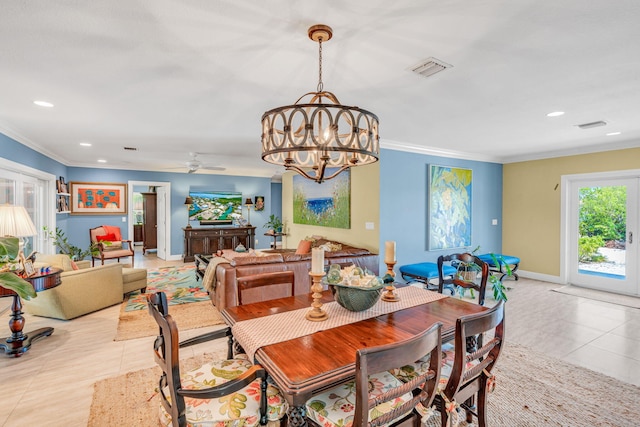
(365, 207)
(531, 204)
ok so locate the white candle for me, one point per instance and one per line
(317, 260)
(389, 252)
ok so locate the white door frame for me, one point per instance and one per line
(567, 181)
(167, 211)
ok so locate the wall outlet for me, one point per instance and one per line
(494, 222)
(124, 219)
(256, 241)
(369, 226)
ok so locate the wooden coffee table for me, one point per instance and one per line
(18, 343)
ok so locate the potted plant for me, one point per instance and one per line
(61, 242)
(274, 224)
(469, 273)
(9, 267)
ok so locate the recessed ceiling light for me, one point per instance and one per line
(555, 114)
(85, 144)
(43, 104)
(613, 133)
(102, 161)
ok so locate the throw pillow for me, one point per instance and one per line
(74, 266)
(304, 247)
(109, 245)
(106, 238)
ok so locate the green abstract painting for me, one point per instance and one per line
(449, 207)
(327, 204)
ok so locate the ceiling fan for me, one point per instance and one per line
(194, 165)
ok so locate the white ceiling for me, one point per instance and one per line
(171, 77)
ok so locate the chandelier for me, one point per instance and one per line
(318, 132)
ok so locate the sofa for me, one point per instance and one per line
(83, 289)
(221, 276)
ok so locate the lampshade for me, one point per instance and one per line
(320, 132)
(16, 222)
(248, 202)
(188, 201)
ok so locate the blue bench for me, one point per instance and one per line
(424, 271)
(503, 260)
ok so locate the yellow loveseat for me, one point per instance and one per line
(85, 290)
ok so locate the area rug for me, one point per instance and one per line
(139, 323)
(593, 294)
(178, 283)
(532, 390)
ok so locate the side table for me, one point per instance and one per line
(275, 238)
(18, 343)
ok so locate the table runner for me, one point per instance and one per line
(255, 333)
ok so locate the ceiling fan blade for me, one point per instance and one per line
(213, 168)
(192, 170)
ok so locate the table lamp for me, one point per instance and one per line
(248, 203)
(188, 202)
(16, 222)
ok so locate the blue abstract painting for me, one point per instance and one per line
(449, 207)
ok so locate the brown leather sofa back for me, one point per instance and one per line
(225, 294)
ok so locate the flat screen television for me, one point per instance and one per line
(215, 207)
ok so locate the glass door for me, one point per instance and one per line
(32, 193)
(603, 231)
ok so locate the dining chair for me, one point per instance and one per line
(466, 377)
(376, 397)
(218, 392)
(265, 286)
(469, 267)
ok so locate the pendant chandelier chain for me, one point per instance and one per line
(320, 84)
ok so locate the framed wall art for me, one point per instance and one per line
(327, 204)
(259, 203)
(98, 198)
(449, 207)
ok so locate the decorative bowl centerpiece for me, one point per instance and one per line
(353, 288)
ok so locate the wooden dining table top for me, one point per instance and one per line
(307, 365)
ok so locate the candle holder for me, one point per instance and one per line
(316, 314)
(390, 295)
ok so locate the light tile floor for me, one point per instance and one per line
(52, 383)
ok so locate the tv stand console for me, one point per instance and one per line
(207, 240)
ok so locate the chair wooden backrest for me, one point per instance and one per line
(472, 370)
(455, 280)
(383, 358)
(265, 286)
(166, 353)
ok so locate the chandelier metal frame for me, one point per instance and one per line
(307, 137)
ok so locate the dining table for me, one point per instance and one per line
(304, 358)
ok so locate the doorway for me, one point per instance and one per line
(163, 220)
(602, 222)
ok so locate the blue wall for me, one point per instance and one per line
(16, 152)
(403, 199)
(180, 186)
(404, 204)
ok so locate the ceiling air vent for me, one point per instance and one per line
(130, 149)
(429, 67)
(592, 125)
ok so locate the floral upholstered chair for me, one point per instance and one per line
(464, 374)
(229, 392)
(376, 397)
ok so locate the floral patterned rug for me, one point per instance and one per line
(178, 283)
